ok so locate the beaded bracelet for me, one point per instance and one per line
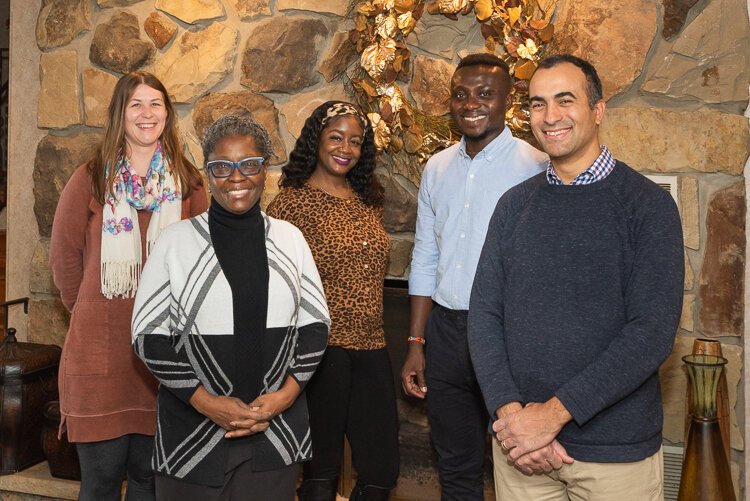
(417, 339)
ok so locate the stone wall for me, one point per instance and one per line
(675, 74)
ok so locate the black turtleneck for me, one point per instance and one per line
(239, 243)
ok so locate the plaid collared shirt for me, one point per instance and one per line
(600, 169)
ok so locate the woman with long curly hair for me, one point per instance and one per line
(329, 191)
(110, 213)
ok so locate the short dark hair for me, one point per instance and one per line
(484, 59)
(237, 125)
(593, 83)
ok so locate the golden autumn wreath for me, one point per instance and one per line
(516, 30)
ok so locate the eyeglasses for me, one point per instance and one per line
(224, 168)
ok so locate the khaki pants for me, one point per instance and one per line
(638, 481)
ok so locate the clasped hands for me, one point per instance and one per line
(528, 435)
(238, 418)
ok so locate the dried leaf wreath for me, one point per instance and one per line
(516, 30)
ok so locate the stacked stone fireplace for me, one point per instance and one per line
(675, 76)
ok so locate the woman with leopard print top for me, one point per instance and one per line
(330, 193)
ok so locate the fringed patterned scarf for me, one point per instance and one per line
(121, 237)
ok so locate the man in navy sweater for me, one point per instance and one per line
(574, 307)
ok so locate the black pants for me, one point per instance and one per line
(352, 393)
(240, 484)
(455, 408)
(104, 465)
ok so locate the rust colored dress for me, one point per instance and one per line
(105, 390)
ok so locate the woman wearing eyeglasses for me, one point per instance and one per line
(331, 194)
(110, 213)
(231, 318)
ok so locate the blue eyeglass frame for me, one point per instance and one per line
(235, 165)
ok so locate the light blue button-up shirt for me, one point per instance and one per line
(457, 197)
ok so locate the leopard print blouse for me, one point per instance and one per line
(350, 248)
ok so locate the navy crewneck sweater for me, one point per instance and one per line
(578, 295)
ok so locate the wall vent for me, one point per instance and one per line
(672, 471)
(669, 183)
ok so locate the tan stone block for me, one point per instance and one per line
(338, 7)
(97, 92)
(61, 21)
(40, 279)
(689, 277)
(618, 35)
(160, 29)
(663, 140)
(400, 202)
(341, 53)
(115, 3)
(709, 59)
(117, 44)
(248, 10)
(690, 211)
(213, 106)
(688, 312)
(48, 320)
(674, 380)
(403, 164)
(197, 61)
(734, 355)
(681, 77)
(191, 11)
(673, 377)
(430, 84)
(37, 479)
(400, 257)
(60, 93)
(301, 105)
(57, 157)
(722, 271)
(18, 496)
(195, 150)
(735, 467)
(272, 187)
(291, 45)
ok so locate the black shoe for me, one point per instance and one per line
(369, 493)
(318, 490)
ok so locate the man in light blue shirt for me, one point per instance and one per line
(458, 193)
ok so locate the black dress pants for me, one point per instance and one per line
(455, 408)
(352, 393)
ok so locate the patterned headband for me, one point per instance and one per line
(340, 109)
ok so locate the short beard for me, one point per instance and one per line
(482, 135)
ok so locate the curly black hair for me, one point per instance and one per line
(304, 158)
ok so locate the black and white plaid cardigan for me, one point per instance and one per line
(183, 332)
